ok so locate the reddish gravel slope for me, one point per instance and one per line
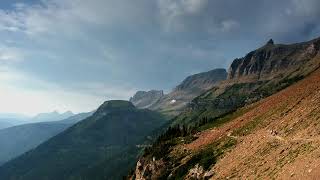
(279, 137)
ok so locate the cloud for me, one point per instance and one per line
(107, 49)
(41, 96)
(174, 12)
(67, 16)
(228, 25)
(10, 54)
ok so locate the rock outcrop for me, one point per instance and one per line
(145, 99)
(271, 60)
(259, 74)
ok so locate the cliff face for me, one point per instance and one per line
(259, 74)
(145, 99)
(272, 60)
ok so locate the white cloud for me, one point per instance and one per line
(194, 6)
(10, 54)
(69, 16)
(42, 96)
(173, 12)
(306, 8)
(229, 25)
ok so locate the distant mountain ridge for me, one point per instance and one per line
(12, 119)
(192, 86)
(103, 145)
(51, 116)
(146, 99)
(17, 140)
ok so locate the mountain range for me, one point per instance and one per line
(10, 119)
(51, 116)
(174, 102)
(258, 120)
(108, 141)
(19, 139)
(259, 123)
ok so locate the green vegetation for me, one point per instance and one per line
(207, 157)
(212, 106)
(173, 136)
(291, 156)
(216, 122)
(272, 87)
(95, 148)
(248, 128)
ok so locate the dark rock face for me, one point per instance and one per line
(270, 42)
(272, 59)
(145, 99)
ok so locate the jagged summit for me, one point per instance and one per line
(52, 116)
(272, 60)
(270, 42)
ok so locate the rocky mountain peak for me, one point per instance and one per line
(270, 42)
(174, 102)
(145, 99)
(271, 60)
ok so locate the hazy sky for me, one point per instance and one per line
(75, 54)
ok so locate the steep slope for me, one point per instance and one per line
(274, 138)
(146, 99)
(281, 136)
(173, 103)
(259, 74)
(106, 141)
(17, 140)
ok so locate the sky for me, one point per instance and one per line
(75, 54)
